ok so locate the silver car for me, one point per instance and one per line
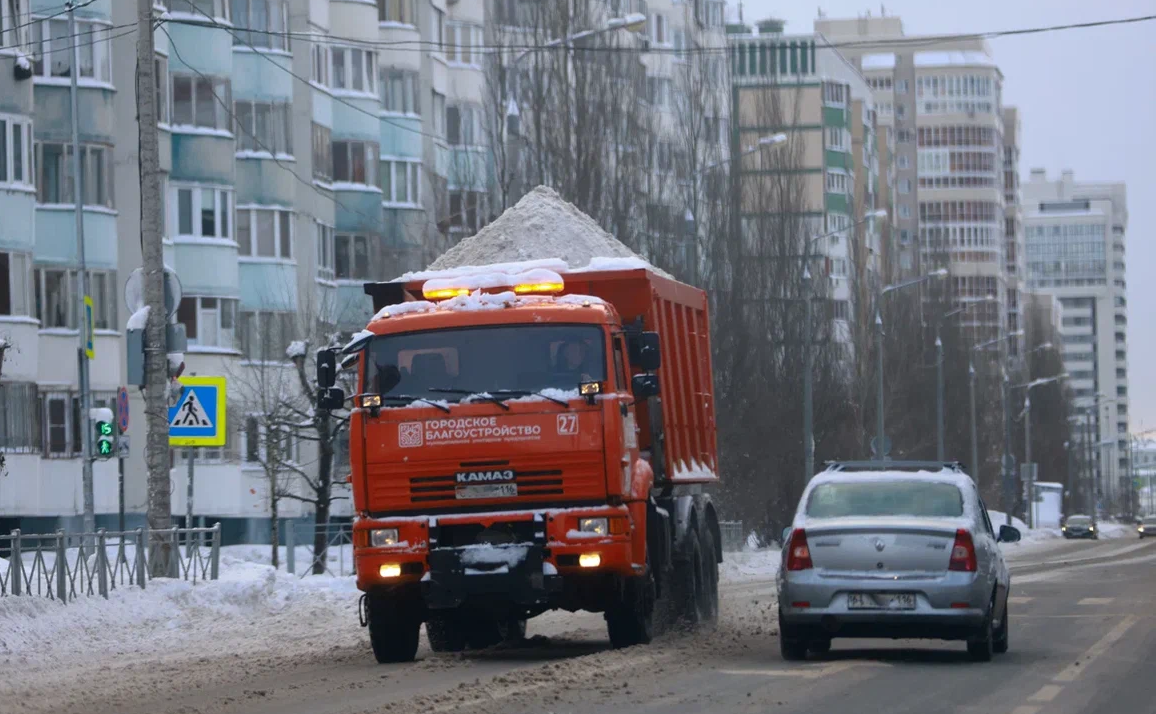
(897, 550)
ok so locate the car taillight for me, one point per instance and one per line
(963, 553)
(798, 553)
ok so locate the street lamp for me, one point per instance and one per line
(808, 348)
(1006, 412)
(941, 273)
(940, 455)
(1028, 439)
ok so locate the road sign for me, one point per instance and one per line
(134, 291)
(886, 447)
(89, 329)
(122, 409)
(122, 446)
(198, 418)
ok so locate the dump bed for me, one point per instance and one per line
(678, 313)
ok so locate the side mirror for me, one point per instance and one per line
(644, 386)
(786, 535)
(330, 398)
(1008, 534)
(649, 353)
(326, 368)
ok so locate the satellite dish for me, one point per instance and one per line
(134, 291)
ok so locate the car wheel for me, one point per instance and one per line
(792, 649)
(1000, 643)
(982, 646)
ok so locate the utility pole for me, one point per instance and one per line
(85, 434)
(971, 399)
(156, 359)
(1008, 459)
(1031, 510)
(880, 452)
(940, 450)
(808, 367)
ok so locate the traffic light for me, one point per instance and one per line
(105, 440)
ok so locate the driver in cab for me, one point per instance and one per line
(572, 362)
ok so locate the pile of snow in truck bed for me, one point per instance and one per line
(539, 227)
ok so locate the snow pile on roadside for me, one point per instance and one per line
(1115, 530)
(750, 565)
(541, 226)
(244, 605)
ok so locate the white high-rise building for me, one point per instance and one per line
(1075, 239)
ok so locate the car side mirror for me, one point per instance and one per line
(330, 398)
(1009, 534)
(326, 368)
(644, 386)
(786, 535)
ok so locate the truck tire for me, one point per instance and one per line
(709, 576)
(445, 634)
(393, 630)
(631, 621)
(689, 590)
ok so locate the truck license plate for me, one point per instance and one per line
(881, 601)
(488, 490)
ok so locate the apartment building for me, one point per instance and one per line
(941, 101)
(1075, 251)
(306, 146)
(794, 85)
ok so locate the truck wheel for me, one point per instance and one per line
(689, 589)
(445, 634)
(709, 576)
(631, 621)
(393, 630)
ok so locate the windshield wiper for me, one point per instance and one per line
(411, 398)
(530, 392)
(471, 393)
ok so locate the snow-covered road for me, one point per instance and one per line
(264, 640)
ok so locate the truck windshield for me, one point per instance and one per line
(506, 361)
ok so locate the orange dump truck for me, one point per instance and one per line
(525, 439)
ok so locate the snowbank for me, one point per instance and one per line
(750, 565)
(541, 226)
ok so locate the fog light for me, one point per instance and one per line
(390, 570)
(589, 560)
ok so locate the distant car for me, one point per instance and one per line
(1080, 526)
(897, 550)
(1147, 526)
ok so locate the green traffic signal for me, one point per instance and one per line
(104, 439)
(103, 428)
(104, 448)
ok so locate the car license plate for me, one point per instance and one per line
(488, 490)
(881, 601)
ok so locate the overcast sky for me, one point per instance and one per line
(1087, 102)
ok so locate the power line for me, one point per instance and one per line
(63, 10)
(78, 35)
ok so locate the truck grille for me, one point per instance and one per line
(431, 489)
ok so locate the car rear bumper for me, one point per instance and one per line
(950, 607)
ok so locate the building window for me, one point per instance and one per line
(659, 91)
(19, 418)
(835, 93)
(102, 288)
(54, 183)
(15, 150)
(201, 101)
(319, 72)
(659, 32)
(203, 212)
(267, 444)
(351, 257)
(901, 86)
(462, 43)
(467, 212)
(402, 12)
(201, 9)
(264, 336)
(903, 162)
(904, 211)
(322, 152)
(840, 310)
(399, 91)
(56, 292)
(163, 89)
(904, 185)
(12, 21)
(905, 237)
(439, 113)
(264, 127)
(265, 233)
(52, 49)
(324, 250)
(463, 124)
(355, 162)
(715, 12)
(209, 321)
(261, 23)
(837, 138)
(401, 182)
(15, 271)
(354, 70)
(903, 136)
(838, 182)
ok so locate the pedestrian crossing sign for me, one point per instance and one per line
(198, 419)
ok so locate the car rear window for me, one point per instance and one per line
(921, 499)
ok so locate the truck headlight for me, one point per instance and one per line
(598, 526)
(383, 537)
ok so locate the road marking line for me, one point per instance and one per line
(1019, 600)
(804, 672)
(1047, 693)
(1026, 709)
(1072, 671)
(1096, 601)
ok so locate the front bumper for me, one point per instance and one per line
(949, 607)
(1079, 534)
